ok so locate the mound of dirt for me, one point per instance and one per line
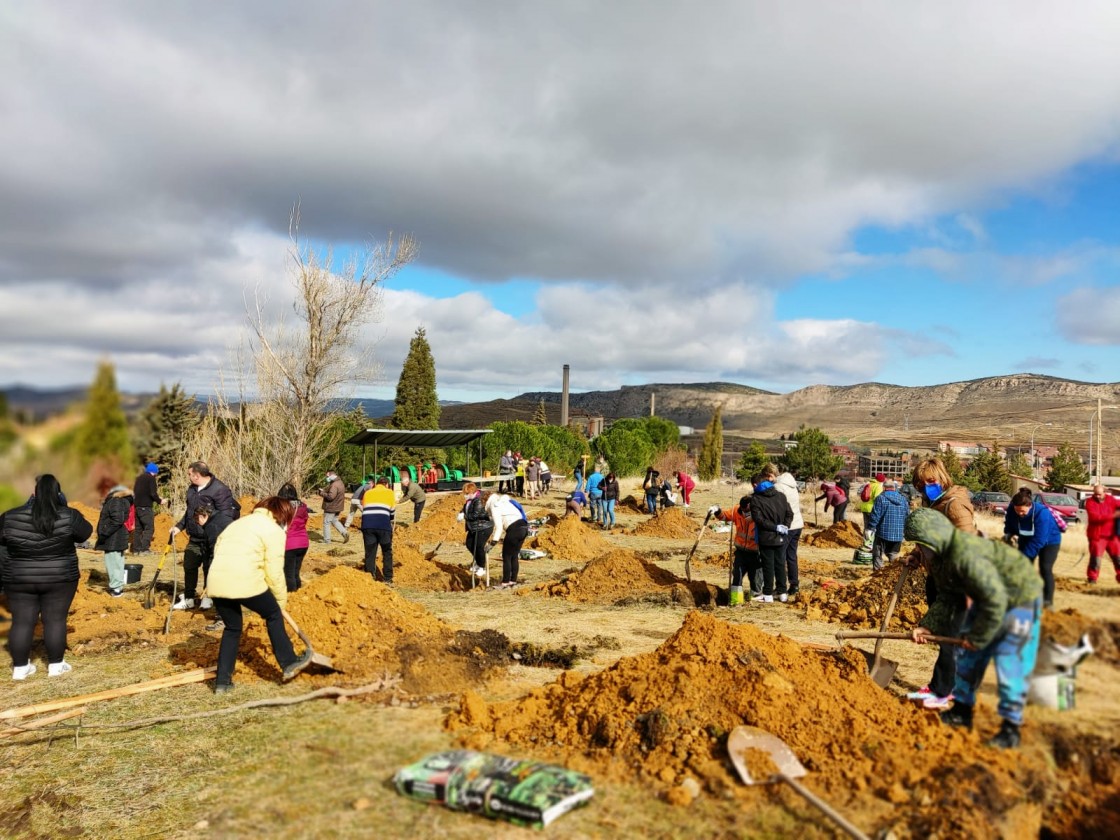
(663, 717)
(438, 523)
(631, 504)
(622, 574)
(412, 568)
(572, 540)
(861, 603)
(1066, 627)
(672, 524)
(843, 534)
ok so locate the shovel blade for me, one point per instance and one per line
(882, 672)
(745, 738)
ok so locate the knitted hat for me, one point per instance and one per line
(880, 477)
(152, 468)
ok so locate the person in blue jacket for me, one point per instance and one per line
(595, 494)
(1039, 535)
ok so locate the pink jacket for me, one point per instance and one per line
(685, 482)
(833, 495)
(297, 530)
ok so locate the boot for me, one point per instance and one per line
(1007, 738)
(959, 715)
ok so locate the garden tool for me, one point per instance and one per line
(743, 738)
(688, 559)
(174, 586)
(882, 671)
(150, 595)
(431, 555)
(869, 634)
(319, 659)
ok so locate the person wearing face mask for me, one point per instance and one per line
(938, 492)
(378, 513)
(1039, 535)
(205, 488)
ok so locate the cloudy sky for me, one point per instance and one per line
(777, 194)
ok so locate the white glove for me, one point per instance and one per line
(460, 517)
(713, 510)
(782, 529)
(174, 533)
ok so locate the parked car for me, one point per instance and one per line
(1064, 504)
(991, 501)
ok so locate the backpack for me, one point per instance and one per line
(130, 520)
(517, 505)
(865, 493)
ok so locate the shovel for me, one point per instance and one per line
(322, 660)
(688, 559)
(743, 738)
(868, 634)
(882, 670)
(174, 586)
(150, 595)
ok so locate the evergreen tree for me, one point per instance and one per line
(812, 458)
(7, 428)
(708, 465)
(103, 434)
(164, 426)
(753, 461)
(1066, 468)
(1019, 464)
(540, 416)
(988, 472)
(952, 465)
(417, 404)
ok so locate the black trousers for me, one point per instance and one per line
(511, 550)
(476, 545)
(293, 562)
(1047, 555)
(145, 528)
(372, 538)
(195, 557)
(31, 601)
(417, 509)
(792, 577)
(264, 605)
(838, 513)
(747, 563)
(773, 569)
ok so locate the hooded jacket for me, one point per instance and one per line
(297, 529)
(787, 486)
(334, 496)
(888, 516)
(876, 491)
(769, 509)
(1038, 529)
(111, 533)
(744, 527)
(32, 558)
(1102, 517)
(504, 513)
(993, 574)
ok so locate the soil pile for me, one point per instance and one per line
(623, 575)
(99, 622)
(438, 523)
(861, 603)
(671, 524)
(663, 718)
(631, 504)
(1066, 627)
(843, 534)
(572, 540)
(412, 568)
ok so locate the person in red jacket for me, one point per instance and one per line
(1103, 509)
(686, 485)
(296, 541)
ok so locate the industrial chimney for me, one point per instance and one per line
(652, 400)
(564, 399)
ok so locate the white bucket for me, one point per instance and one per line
(1061, 659)
(1053, 691)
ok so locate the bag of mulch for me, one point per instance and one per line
(528, 793)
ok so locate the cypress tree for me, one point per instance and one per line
(711, 451)
(540, 417)
(417, 404)
(103, 434)
(164, 424)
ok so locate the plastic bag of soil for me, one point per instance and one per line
(529, 793)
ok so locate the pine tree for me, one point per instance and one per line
(753, 461)
(988, 472)
(540, 416)
(952, 464)
(417, 404)
(1066, 468)
(164, 425)
(708, 465)
(103, 434)
(812, 457)
(1019, 464)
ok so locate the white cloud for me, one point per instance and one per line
(1090, 316)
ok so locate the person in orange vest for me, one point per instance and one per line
(747, 559)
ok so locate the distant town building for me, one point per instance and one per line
(890, 466)
(960, 447)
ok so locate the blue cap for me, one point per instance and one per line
(152, 468)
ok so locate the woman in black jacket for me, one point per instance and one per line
(479, 526)
(112, 535)
(610, 500)
(40, 573)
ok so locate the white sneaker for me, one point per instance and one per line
(479, 571)
(206, 604)
(22, 672)
(783, 597)
(57, 669)
(184, 604)
(765, 599)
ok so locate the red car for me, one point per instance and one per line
(991, 501)
(1064, 504)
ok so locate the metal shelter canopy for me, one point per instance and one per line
(419, 439)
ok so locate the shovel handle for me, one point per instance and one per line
(889, 612)
(823, 807)
(860, 634)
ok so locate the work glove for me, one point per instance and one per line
(782, 529)
(174, 533)
(713, 510)
(460, 517)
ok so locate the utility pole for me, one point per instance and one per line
(1100, 435)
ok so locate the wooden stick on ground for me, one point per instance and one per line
(47, 721)
(185, 678)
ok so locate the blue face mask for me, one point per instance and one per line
(766, 485)
(933, 492)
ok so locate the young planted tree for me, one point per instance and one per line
(708, 465)
(812, 458)
(1066, 468)
(753, 460)
(103, 435)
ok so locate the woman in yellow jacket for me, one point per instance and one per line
(248, 570)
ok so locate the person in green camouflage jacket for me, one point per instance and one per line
(1002, 622)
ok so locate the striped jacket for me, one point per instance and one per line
(378, 508)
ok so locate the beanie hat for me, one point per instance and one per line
(880, 477)
(152, 468)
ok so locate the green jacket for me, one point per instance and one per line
(994, 575)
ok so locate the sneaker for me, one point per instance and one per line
(765, 599)
(794, 592)
(216, 626)
(784, 598)
(1007, 738)
(183, 604)
(478, 571)
(960, 715)
(297, 666)
(206, 603)
(223, 688)
(921, 694)
(22, 672)
(756, 594)
(937, 704)
(116, 593)
(57, 669)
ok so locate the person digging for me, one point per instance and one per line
(1002, 622)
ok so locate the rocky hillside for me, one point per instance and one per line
(1003, 408)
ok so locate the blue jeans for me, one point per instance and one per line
(1014, 650)
(608, 512)
(596, 497)
(651, 502)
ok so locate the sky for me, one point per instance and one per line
(774, 194)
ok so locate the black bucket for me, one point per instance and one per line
(132, 572)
